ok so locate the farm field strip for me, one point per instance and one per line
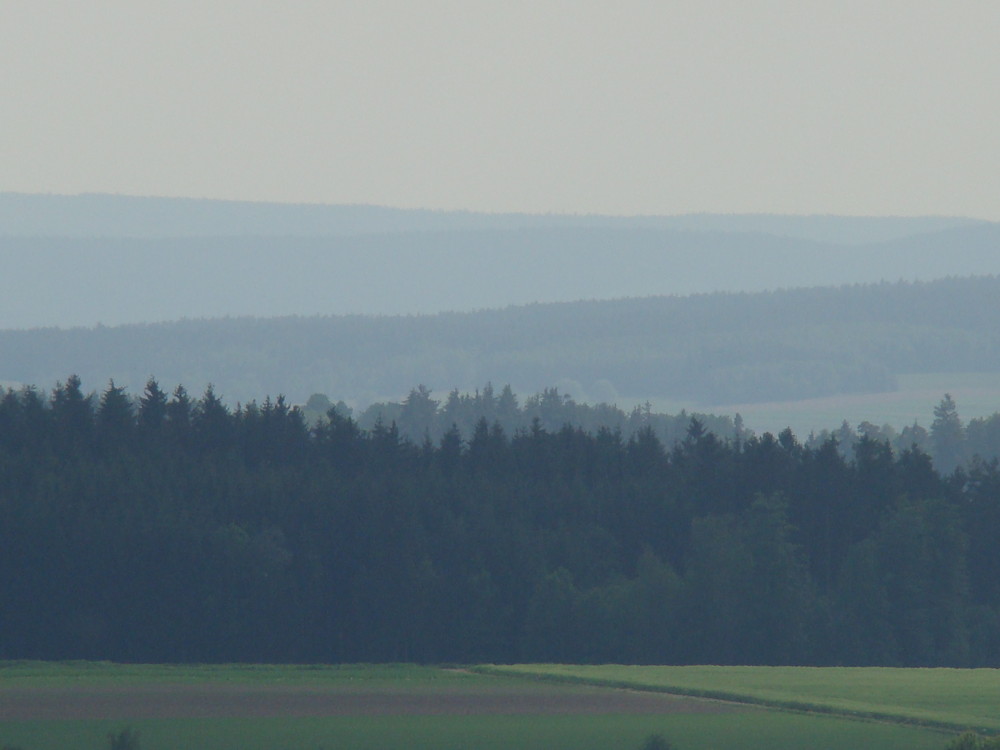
(222, 701)
(946, 698)
(38, 673)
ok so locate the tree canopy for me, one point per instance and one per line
(179, 529)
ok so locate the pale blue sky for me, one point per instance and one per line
(630, 107)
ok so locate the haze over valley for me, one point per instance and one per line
(713, 313)
(86, 260)
(350, 350)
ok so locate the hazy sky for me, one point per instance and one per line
(628, 107)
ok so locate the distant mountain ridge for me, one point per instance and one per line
(83, 260)
(94, 215)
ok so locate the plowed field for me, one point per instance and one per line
(155, 701)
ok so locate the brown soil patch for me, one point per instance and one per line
(222, 700)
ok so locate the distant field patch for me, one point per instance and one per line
(977, 394)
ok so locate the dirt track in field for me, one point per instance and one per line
(222, 700)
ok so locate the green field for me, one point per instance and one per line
(763, 731)
(952, 698)
(714, 726)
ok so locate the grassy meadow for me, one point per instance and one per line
(908, 695)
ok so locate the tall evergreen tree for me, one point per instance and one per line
(947, 436)
(152, 407)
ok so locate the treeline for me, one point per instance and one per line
(178, 529)
(948, 441)
(420, 416)
(707, 349)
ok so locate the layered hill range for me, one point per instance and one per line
(365, 302)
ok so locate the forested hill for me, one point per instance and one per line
(181, 530)
(712, 348)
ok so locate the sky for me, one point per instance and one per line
(860, 108)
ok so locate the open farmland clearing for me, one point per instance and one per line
(70, 706)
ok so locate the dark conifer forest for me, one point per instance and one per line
(174, 528)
